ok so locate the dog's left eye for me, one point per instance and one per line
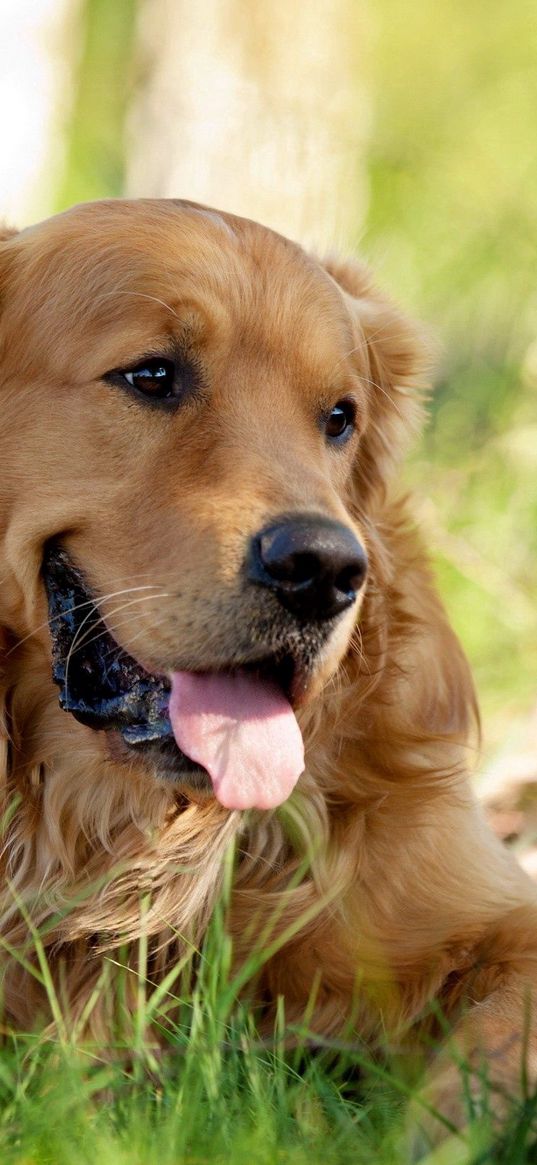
(339, 423)
(154, 378)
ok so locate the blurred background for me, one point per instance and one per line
(405, 131)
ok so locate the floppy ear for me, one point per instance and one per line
(435, 698)
(393, 359)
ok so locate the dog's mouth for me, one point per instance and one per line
(199, 729)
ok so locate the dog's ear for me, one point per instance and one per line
(393, 358)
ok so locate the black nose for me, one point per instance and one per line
(315, 566)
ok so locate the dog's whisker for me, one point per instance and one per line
(78, 643)
(370, 338)
(76, 637)
(357, 348)
(357, 642)
(135, 637)
(110, 631)
(140, 295)
(104, 619)
(90, 614)
(380, 388)
(381, 331)
(157, 623)
(389, 398)
(77, 607)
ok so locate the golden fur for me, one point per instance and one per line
(407, 897)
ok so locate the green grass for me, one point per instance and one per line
(218, 1092)
(212, 1101)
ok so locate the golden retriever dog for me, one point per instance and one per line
(218, 627)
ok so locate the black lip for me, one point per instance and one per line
(100, 684)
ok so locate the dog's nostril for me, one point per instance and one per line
(315, 566)
(353, 575)
(284, 564)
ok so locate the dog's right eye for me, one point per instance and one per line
(154, 378)
(159, 381)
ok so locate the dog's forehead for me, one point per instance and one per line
(144, 262)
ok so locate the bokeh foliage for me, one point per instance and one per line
(103, 84)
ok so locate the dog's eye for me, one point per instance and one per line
(159, 380)
(339, 424)
(154, 378)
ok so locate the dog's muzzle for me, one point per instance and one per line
(305, 574)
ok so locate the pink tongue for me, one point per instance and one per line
(243, 731)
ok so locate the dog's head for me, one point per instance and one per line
(196, 418)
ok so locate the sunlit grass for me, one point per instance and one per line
(216, 1090)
